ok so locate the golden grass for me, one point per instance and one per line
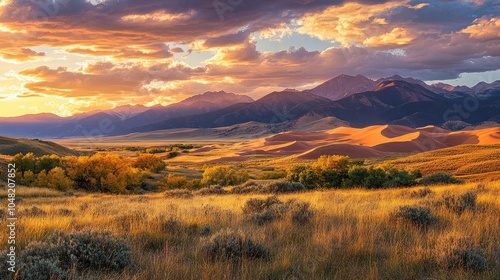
(25, 192)
(350, 237)
(464, 160)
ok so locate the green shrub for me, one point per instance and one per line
(284, 187)
(172, 154)
(356, 177)
(440, 178)
(415, 215)
(399, 178)
(376, 178)
(233, 245)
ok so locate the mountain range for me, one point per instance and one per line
(354, 100)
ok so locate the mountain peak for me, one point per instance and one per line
(343, 86)
(217, 97)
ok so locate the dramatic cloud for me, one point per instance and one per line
(148, 51)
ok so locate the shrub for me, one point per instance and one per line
(303, 174)
(339, 164)
(4, 272)
(262, 211)
(460, 203)
(172, 154)
(94, 249)
(33, 211)
(206, 230)
(418, 216)
(43, 261)
(376, 178)
(155, 150)
(169, 225)
(284, 187)
(356, 177)
(233, 245)
(254, 205)
(248, 187)
(149, 162)
(179, 193)
(211, 190)
(89, 250)
(54, 179)
(440, 178)
(224, 176)
(462, 254)
(300, 212)
(399, 178)
(171, 182)
(104, 172)
(421, 193)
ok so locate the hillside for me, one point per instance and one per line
(468, 161)
(13, 146)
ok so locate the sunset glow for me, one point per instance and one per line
(66, 57)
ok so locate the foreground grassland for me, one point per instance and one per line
(352, 234)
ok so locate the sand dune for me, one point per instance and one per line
(368, 142)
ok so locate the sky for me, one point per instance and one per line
(71, 56)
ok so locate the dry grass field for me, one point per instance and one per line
(474, 162)
(352, 234)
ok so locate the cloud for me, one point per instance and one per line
(20, 54)
(484, 28)
(395, 38)
(132, 39)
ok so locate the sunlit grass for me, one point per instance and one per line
(350, 237)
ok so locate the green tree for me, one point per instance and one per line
(24, 162)
(376, 178)
(356, 177)
(47, 163)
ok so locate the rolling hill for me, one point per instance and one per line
(13, 146)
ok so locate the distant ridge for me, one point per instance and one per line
(354, 100)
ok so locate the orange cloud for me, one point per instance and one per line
(20, 54)
(350, 23)
(395, 38)
(484, 28)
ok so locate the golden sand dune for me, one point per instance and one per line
(368, 142)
